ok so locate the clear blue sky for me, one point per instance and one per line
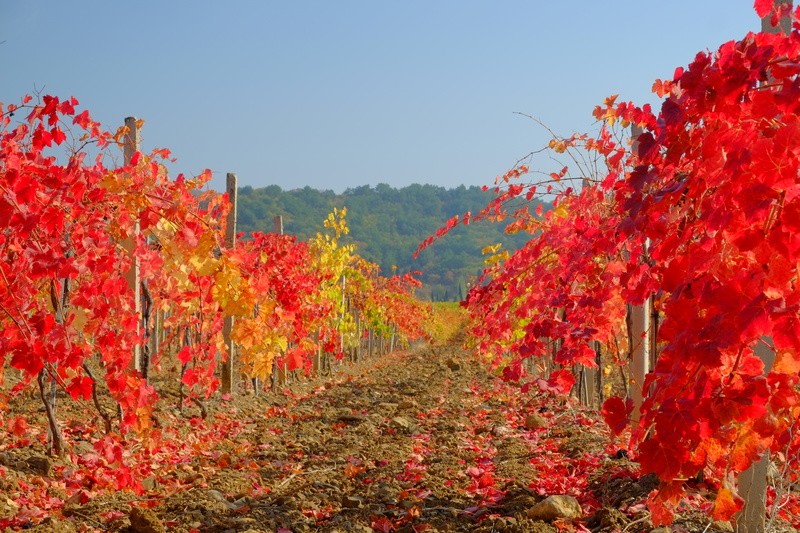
(338, 94)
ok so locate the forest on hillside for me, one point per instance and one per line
(388, 224)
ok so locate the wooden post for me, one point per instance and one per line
(639, 324)
(131, 145)
(357, 347)
(344, 311)
(655, 320)
(155, 318)
(599, 392)
(549, 364)
(316, 363)
(226, 384)
(281, 372)
(352, 351)
(133, 140)
(753, 481)
(784, 24)
(587, 390)
(639, 334)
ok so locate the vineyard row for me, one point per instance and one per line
(107, 272)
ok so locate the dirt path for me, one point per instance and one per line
(416, 441)
(411, 442)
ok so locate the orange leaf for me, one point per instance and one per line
(662, 502)
(787, 362)
(726, 504)
(352, 470)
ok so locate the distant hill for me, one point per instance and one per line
(388, 224)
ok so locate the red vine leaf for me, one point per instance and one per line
(617, 413)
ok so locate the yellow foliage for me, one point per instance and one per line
(491, 249)
(261, 367)
(232, 291)
(558, 146)
(497, 258)
(559, 212)
(259, 344)
(204, 265)
(447, 319)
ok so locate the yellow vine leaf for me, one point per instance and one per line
(491, 249)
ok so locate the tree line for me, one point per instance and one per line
(388, 224)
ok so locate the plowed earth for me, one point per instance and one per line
(423, 440)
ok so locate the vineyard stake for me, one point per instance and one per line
(753, 481)
(639, 333)
(226, 384)
(132, 144)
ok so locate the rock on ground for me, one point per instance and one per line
(556, 507)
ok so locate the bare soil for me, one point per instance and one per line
(422, 440)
